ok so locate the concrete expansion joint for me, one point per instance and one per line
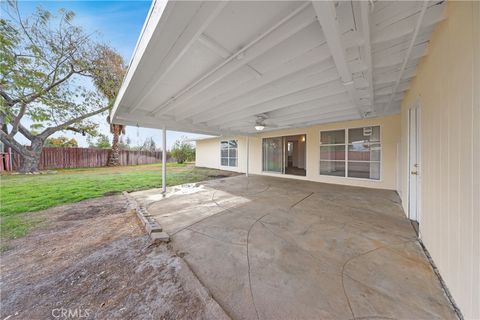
(304, 198)
(151, 227)
(156, 234)
(225, 210)
(248, 256)
(358, 256)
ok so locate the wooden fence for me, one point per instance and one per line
(62, 158)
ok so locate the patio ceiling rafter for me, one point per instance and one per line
(393, 30)
(223, 52)
(304, 62)
(332, 87)
(205, 14)
(216, 67)
(367, 48)
(327, 16)
(318, 113)
(245, 106)
(286, 27)
(407, 55)
(323, 103)
(158, 123)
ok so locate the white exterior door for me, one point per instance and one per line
(414, 164)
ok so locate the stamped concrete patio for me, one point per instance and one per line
(274, 248)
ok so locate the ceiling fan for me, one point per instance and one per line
(260, 123)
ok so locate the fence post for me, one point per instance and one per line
(10, 158)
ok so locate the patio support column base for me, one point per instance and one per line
(248, 156)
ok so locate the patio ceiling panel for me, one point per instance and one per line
(217, 67)
(273, 71)
(324, 90)
(290, 25)
(272, 93)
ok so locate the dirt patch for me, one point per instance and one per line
(218, 176)
(111, 193)
(91, 259)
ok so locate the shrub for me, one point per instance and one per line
(183, 151)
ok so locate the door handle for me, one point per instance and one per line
(414, 172)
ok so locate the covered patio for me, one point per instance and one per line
(360, 87)
(276, 248)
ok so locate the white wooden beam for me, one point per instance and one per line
(207, 12)
(313, 113)
(301, 124)
(387, 90)
(326, 102)
(348, 110)
(397, 58)
(317, 92)
(285, 28)
(215, 47)
(336, 118)
(327, 16)
(305, 61)
(407, 54)
(318, 111)
(158, 123)
(150, 27)
(367, 48)
(306, 78)
(227, 90)
(391, 76)
(404, 27)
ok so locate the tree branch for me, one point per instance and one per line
(25, 132)
(74, 129)
(30, 98)
(9, 141)
(7, 98)
(49, 131)
(21, 128)
(16, 121)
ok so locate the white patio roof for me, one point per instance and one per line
(218, 67)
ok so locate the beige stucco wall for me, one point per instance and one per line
(208, 152)
(447, 88)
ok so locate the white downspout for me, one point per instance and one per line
(164, 160)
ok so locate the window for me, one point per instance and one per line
(354, 153)
(229, 153)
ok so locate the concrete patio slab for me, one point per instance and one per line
(275, 248)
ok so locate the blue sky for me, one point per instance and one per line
(118, 23)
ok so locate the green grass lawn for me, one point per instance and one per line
(27, 193)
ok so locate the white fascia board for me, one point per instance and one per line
(150, 26)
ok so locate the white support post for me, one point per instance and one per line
(248, 155)
(164, 160)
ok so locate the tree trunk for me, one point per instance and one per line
(31, 158)
(114, 158)
(29, 163)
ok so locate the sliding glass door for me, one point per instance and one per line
(273, 154)
(285, 155)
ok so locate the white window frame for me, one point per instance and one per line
(347, 144)
(228, 157)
